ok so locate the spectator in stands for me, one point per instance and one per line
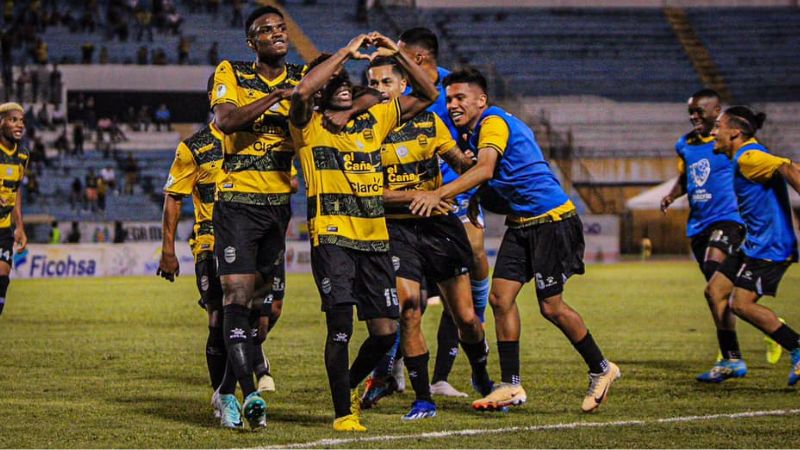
(33, 74)
(38, 158)
(163, 116)
(87, 22)
(103, 59)
(236, 19)
(90, 191)
(42, 83)
(142, 55)
(41, 53)
(30, 185)
(144, 118)
(120, 233)
(87, 53)
(144, 23)
(57, 117)
(213, 54)
(55, 86)
(104, 141)
(89, 114)
(43, 117)
(100, 234)
(23, 79)
(55, 233)
(173, 20)
(61, 145)
(74, 236)
(102, 189)
(109, 177)
(131, 169)
(77, 139)
(76, 194)
(184, 44)
(159, 57)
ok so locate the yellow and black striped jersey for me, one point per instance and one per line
(344, 178)
(410, 158)
(195, 171)
(12, 169)
(258, 160)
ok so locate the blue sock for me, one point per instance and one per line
(384, 367)
(480, 296)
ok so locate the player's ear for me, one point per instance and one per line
(483, 99)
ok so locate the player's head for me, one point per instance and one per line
(421, 43)
(12, 122)
(704, 107)
(467, 96)
(210, 86)
(386, 75)
(337, 92)
(734, 127)
(267, 33)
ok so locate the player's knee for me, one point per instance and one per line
(552, 308)
(237, 292)
(384, 342)
(739, 307)
(499, 303)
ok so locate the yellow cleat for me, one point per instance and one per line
(774, 350)
(266, 384)
(599, 385)
(348, 423)
(355, 403)
(503, 395)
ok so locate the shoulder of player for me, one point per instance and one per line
(203, 145)
(23, 152)
(493, 120)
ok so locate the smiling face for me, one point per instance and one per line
(12, 126)
(387, 81)
(702, 113)
(724, 136)
(338, 93)
(268, 37)
(465, 104)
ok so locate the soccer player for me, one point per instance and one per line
(423, 44)
(435, 248)
(760, 180)
(714, 227)
(195, 172)
(350, 242)
(13, 161)
(544, 239)
(252, 209)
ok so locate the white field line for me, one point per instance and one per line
(556, 426)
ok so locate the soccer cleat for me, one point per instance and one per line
(355, 403)
(216, 405)
(266, 383)
(503, 395)
(444, 389)
(255, 411)
(794, 375)
(599, 384)
(348, 423)
(376, 389)
(421, 409)
(722, 370)
(230, 412)
(398, 375)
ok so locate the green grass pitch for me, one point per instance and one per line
(120, 363)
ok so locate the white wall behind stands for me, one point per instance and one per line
(141, 258)
(600, 3)
(127, 77)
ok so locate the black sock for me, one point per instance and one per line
(447, 339)
(591, 354)
(729, 344)
(4, 280)
(216, 356)
(786, 337)
(340, 328)
(260, 366)
(478, 355)
(508, 352)
(238, 343)
(417, 367)
(369, 355)
(228, 383)
(709, 267)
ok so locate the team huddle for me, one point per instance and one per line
(396, 175)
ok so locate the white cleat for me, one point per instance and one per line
(444, 389)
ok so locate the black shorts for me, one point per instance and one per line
(351, 277)
(249, 238)
(434, 248)
(726, 236)
(550, 252)
(755, 275)
(208, 284)
(277, 290)
(7, 246)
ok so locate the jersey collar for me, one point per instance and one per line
(271, 83)
(8, 151)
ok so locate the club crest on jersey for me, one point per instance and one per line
(422, 140)
(700, 171)
(402, 152)
(368, 135)
(221, 90)
(230, 254)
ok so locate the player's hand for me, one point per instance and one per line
(355, 45)
(335, 120)
(384, 45)
(445, 206)
(20, 239)
(168, 267)
(425, 202)
(665, 202)
(474, 211)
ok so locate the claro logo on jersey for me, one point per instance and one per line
(368, 188)
(40, 266)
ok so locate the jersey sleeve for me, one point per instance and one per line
(759, 166)
(293, 172)
(224, 85)
(494, 134)
(444, 140)
(183, 173)
(387, 116)
(681, 166)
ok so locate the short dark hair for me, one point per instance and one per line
(469, 75)
(421, 37)
(387, 61)
(706, 93)
(210, 83)
(258, 12)
(745, 120)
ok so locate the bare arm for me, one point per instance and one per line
(20, 238)
(365, 99)
(678, 189)
(230, 118)
(391, 197)
(458, 160)
(168, 266)
(791, 173)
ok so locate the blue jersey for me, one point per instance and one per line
(765, 208)
(522, 179)
(709, 184)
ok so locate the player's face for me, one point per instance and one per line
(465, 103)
(268, 36)
(12, 127)
(341, 94)
(723, 135)
(702, 113)
(386, 80)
